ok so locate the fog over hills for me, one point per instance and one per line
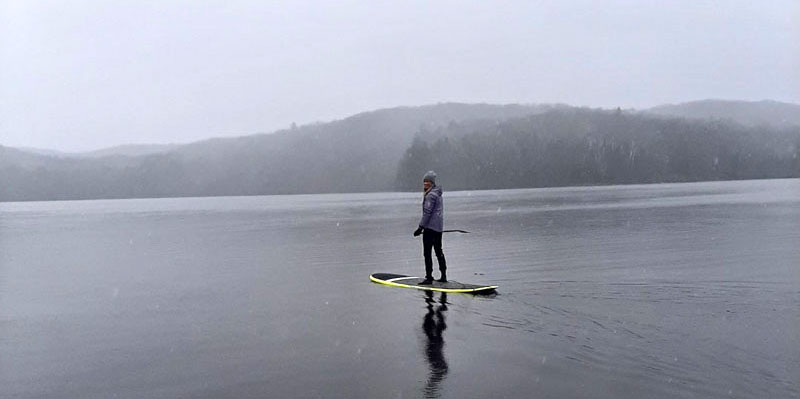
(473, 145)
(130, 150)
(767, 112)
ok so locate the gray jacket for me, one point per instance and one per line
(433, 210)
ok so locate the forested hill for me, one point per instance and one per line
(471, 146)
(359, 153)
(583, 147)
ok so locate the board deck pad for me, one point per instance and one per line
(400, 280)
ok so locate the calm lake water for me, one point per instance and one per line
(647, 291)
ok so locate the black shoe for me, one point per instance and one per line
(427, 281)
(442, 280)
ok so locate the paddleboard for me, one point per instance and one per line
(399, 280)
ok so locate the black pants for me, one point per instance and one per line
(433, 239)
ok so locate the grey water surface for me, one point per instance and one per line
(646, 291)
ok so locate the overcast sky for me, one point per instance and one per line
(79, 75)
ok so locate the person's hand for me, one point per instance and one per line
(418, 231)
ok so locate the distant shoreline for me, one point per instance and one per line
(403, 192)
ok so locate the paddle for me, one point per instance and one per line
(449, 231)
(455, 231)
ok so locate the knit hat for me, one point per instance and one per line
(430, 176)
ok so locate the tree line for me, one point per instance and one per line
(476, 146)
(587, 147)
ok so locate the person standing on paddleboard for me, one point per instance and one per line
(431, 226)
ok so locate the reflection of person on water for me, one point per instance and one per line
(431, 226)
(433, 324)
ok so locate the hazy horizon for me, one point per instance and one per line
(279, 129)
(89, 75)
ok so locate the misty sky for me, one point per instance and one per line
(79, 75)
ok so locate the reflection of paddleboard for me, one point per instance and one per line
(399, 280)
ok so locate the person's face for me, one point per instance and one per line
(427, 185)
